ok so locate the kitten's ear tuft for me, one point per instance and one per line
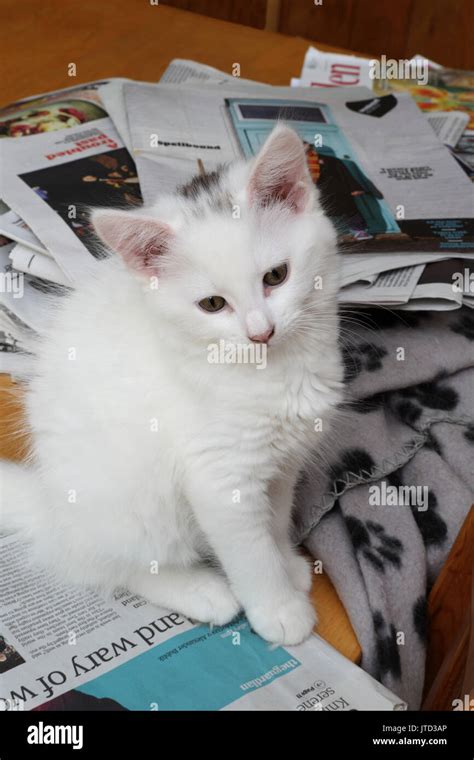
(141, 241)
(280, 173)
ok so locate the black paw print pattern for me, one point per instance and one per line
(356, 461)
(465, 326)
(420, 618)
(433, 444)
(374, 543)
(433, 395)
(364, 356)
(388, 655)
(432, 527)
(469, 433)
(370, 403)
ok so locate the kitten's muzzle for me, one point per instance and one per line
(263, 337)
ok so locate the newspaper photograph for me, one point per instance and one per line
(382, 193)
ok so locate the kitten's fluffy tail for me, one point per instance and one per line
(18, 495)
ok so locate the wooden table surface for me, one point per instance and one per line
(129, 38)
(134, 39)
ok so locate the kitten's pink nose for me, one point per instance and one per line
(263, 337)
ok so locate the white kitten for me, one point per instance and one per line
(146, 456)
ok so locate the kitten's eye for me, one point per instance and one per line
(212, 303)
(276, 276)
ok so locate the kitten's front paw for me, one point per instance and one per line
(284, 622)
(211, 600)
(299, 570)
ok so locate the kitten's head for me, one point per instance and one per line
(243, 254)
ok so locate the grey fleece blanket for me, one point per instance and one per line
(408, 422)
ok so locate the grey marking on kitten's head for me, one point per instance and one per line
(206, 182)
(207, 190)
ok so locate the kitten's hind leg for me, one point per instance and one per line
(198, 592)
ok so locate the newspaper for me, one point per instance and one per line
(25, 260)
(396, 196)
(111, 95)
(362, 267)
(24, 300)
(389, 188)
(448, 126)
(464, 152)
(392, 190)
(440, 90)
(180, 71)
(64, 139)
(392, 288)
(443, 285)
(69, 646)
(322, 69)
(446, 90)
(13, 333)
(14, 228)
(65, 151)
(440, 285)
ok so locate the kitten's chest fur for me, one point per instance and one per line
(280, 418)
(297, 415)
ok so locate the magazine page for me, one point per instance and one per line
(64, 139)
(72, 648)
(383, 193)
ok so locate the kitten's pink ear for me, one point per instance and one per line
(139, 240)
(281, 173)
